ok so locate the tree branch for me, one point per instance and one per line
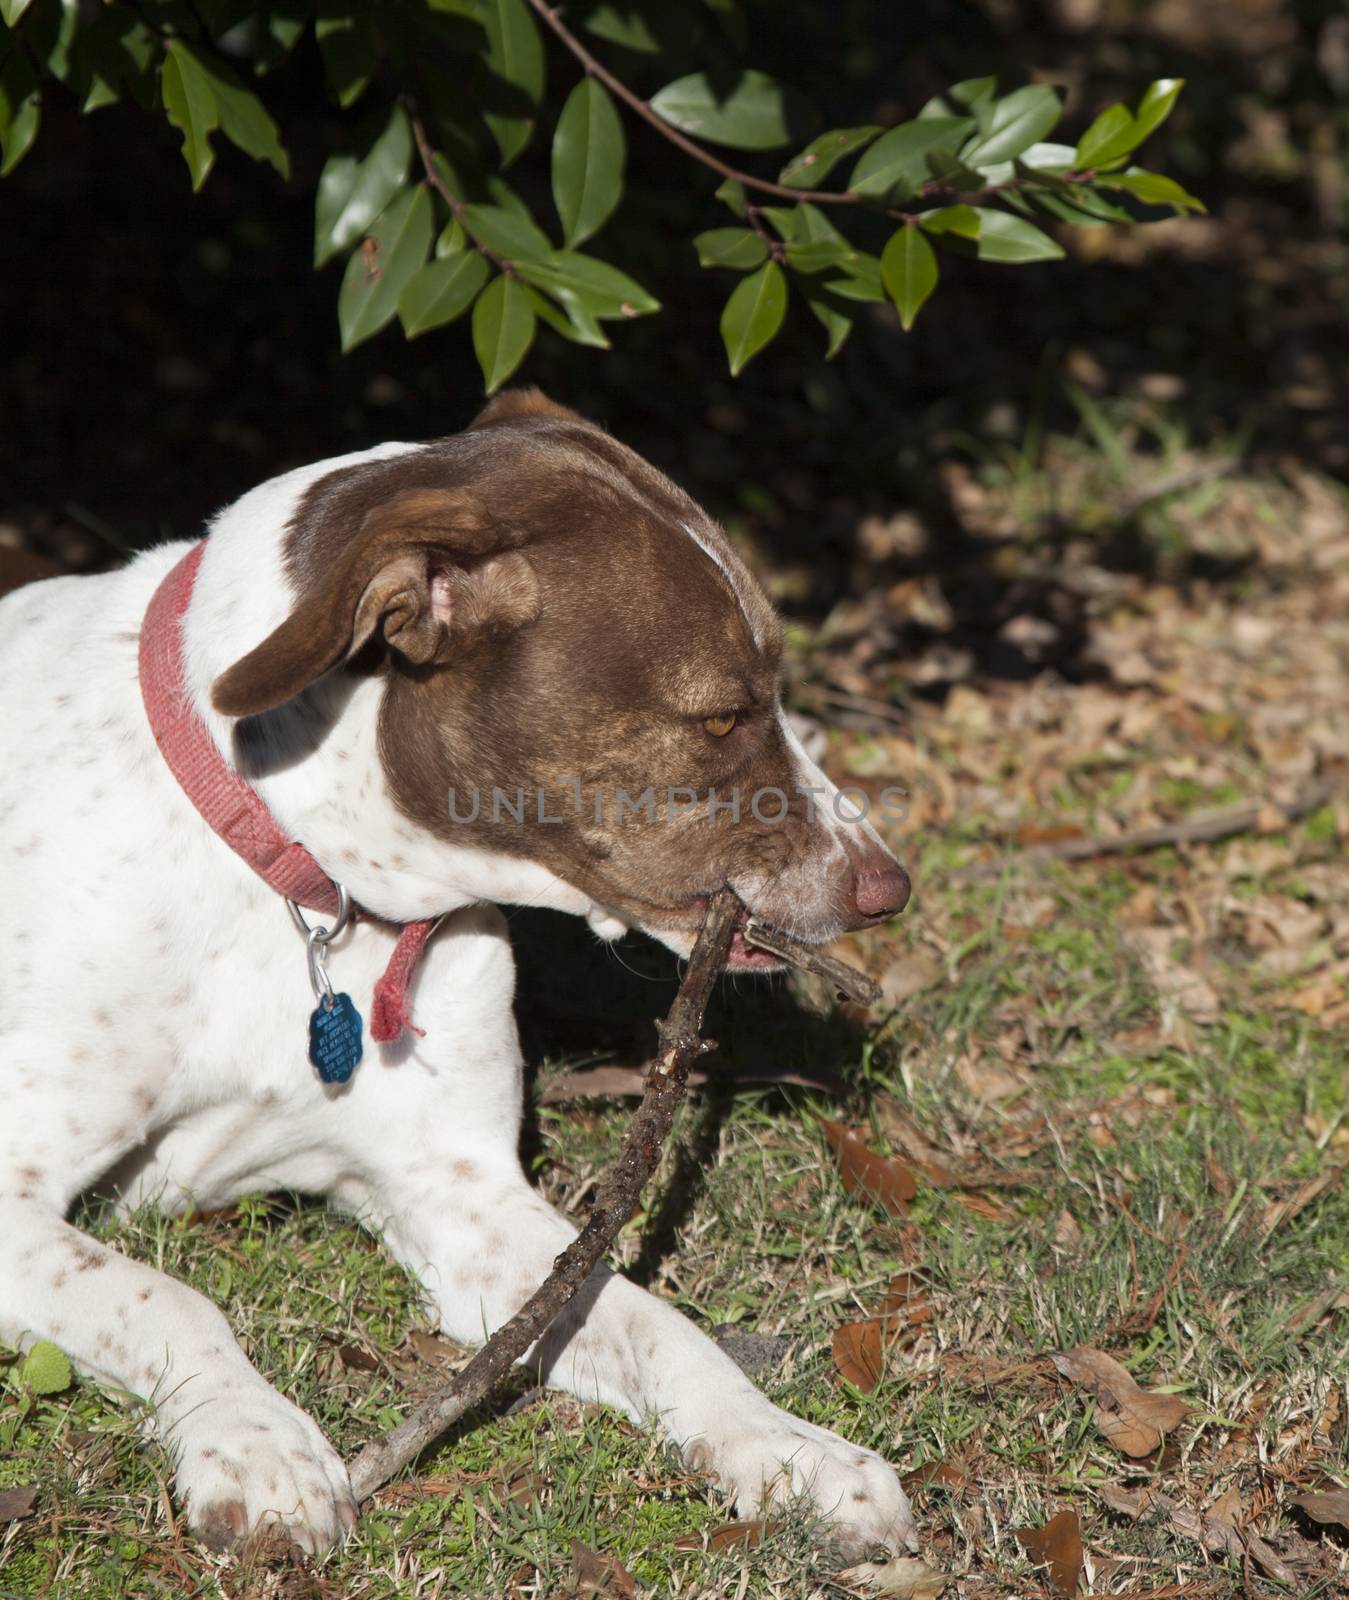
(433, 177)
(680, 1045)
(933, 191)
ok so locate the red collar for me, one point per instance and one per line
(231, 808)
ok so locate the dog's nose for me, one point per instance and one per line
(879, 892)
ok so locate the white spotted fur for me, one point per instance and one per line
(152, 1036)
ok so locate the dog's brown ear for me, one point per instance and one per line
(528, 402)
(426, 573)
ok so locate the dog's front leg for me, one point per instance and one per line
(482, 1240)
(243, 1454)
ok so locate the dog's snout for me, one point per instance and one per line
(879, 891)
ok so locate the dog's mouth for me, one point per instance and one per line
(683, 921)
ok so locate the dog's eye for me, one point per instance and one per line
(720, 724)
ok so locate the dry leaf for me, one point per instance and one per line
(940, 1474)
(1058, 1546)
(731, 1535)
(1331, 1506)
(593, 1574)
(877, 1177)
(1131, 1503)
(1174, 981)
(858, 1353)
(1133, 1419)
(1067, 1233)
(1271, 1563)
(903, 1578)
(430, 1347)
(17, 1503)
(989, 1210)
(909, 976)
(1281, 1211)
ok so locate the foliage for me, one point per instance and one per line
(438, 99)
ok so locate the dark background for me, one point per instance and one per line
(162, 352)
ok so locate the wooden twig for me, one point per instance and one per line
(1194, 830)
(851, 983)
(615, 1202)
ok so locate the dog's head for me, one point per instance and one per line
(581, 673)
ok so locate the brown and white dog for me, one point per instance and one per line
(442, 669)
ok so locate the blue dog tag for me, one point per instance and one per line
(335, 1039)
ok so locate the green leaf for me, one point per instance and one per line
(822, 155)
(588, 155)
(351, 193)
(12, 10)
(753, 315)
(1153, 189)
(960, 220)
(570, 321)
(348, 44)
(909, 272)
(740, 248)
(621, 25)
(1003, 237)
(597, 288)
(506, 233)
(441, 291)
(380, 269)
(515, 56)
(20, 110)
(1017, 121)
(813, 225)
(1110, 138)
(732, 194)
(835, 314)
(112, 52)
(863, 280)
(896, 165)
(821, 255)
(952, 173)
(503, 329)
(45, 1369)
(201, 95)
(755, 113)
(190, 106)
(1154, 105)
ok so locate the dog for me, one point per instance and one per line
(349, 695)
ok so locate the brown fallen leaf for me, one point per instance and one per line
(859, 1353)
(1281, 1211)
(878, 1178)
(934, 1474)
(430, 1347)
(1058, 1546)
(1330, 1506)
(1271, 1563)
(594, 1574)
(731, 1535)
(17, 1503)
(1131, 1503)
(902, 1578)
(1133, 1419)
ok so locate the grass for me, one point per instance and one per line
(1144, 1189)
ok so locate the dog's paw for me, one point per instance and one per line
(773, 1458)
(247, 1462)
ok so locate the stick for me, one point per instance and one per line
(851, 983)
(1195, 830)
(615, 1202)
